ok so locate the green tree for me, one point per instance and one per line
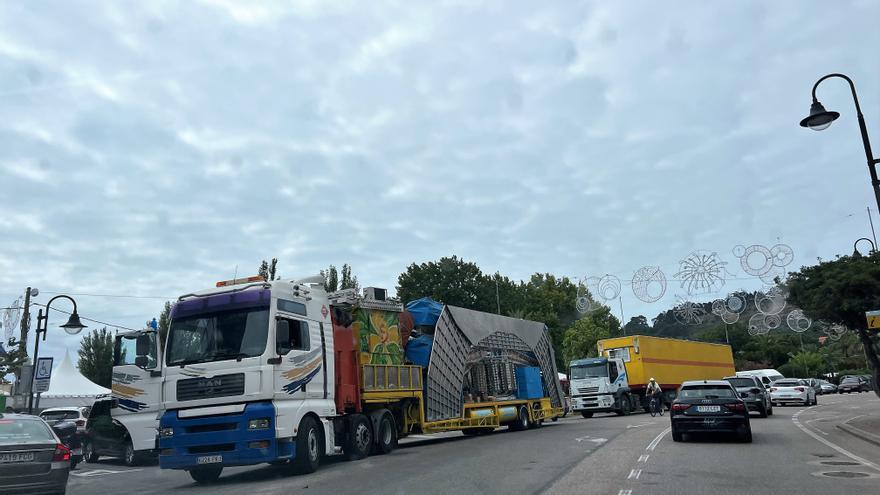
(96, 357)
(348, 281)
(638, 325)
(268, 268)
(804, 364)
(840, 291)
(331, 279)
(164, 323)
(582, 335)
(12, 359)
(450, 280)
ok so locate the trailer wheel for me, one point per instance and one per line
(522, 420)
(358, 438)
(387, 435)
(538, 422)
(309, 445)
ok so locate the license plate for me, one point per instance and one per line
(77, 452)
(209, 459)
(17, 457)
(708, 408)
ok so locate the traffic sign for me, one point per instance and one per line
(873, 318)
(43, 374)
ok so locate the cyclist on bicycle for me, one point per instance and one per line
(653, 391)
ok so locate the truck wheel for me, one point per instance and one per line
(89, 454)
(129, 455)
(624, 406)
(587, 414)
(522, 420)
(387, 438)
(309, 445)
(206, 475)
(358, 438)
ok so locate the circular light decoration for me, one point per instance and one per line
(582, 301)
(688, 312)
(608, 287)
(649, 284)
(771, 302)
(739, 250)
(701, 272)
(782, 255)
(797, 321)
(718, 308)
(756, 267)
(772, 322)
(729, 318)
(769, 278)
(757, 325)
(735, 304)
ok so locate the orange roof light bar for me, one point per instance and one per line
(255, 278)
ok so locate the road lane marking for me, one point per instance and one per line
(102, 472)
(625, 492)
(639, 425)
(644, 458)
(653, 445)
(634, 474)
(834, 446)
(591, 439)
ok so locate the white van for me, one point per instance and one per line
(767, 376)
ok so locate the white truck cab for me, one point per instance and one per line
(600, 385)
(136, 387)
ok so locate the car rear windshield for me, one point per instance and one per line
(786, 383)
(706, 391)
(59, 415)
(741, 382)
(18, 431)
(850, 380)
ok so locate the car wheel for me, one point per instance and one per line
(129, 455)
(358, 438)
(770, 410)
(677, 436)
(206, 475)
(746, 436)
(762, 411)
(309, 445)
(587, 414)
(73, 464)
(387, 438)
(89, 454)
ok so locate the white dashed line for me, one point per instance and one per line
(634, 474)
(625, 492)
(834, 446)
(653, 445)
(644, 458)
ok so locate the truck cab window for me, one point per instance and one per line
(299, 334)
(612, 375)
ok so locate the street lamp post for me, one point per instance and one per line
(820, 119)
(72, 327)
(860, 239)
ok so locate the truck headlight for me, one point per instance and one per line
(166, 432)
(258, 424)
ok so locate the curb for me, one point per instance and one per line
(860, 433)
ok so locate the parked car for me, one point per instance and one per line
(67, 432)
(869, 380)
(852, 384)
(79, 415)
(32, 457)
(709, 406)
(816, 384)
(767, 376)
(792, 391)
(753, 393)
(828, 387)
(106, 436)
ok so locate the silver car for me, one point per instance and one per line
(32, 458)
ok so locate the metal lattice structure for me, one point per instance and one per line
(462, 335)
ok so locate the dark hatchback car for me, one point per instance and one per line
(709, 406)
(32, 458)
(853, 384)
(753, 393)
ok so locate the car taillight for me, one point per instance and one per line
(62, 453)
(737, 406)
(680, 407)
(799, 389)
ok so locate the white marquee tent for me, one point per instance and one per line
(68, 387)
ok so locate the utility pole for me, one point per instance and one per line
(497, 297)
(25, 321)
(872, 225)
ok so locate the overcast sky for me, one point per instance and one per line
(150, 148)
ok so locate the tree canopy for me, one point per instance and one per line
(96, 357)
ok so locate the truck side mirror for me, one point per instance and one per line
(282, 337)
(141, 361)
(142, 345)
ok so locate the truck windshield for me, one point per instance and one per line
(217, 336)
(589, 371)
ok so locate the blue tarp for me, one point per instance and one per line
(425, 311)
(418, 350)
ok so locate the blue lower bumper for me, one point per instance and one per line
(226, 436)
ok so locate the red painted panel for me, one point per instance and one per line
(346, 363)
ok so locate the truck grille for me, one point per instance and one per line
(588, 390)
(205, 388)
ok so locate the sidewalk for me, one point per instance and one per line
(866, 427)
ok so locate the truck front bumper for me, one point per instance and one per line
(595, 403)
(222, 440)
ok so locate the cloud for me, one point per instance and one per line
(157, 148)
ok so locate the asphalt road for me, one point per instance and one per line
(798, 450)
